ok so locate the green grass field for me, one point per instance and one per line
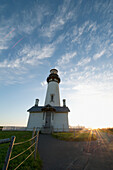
(79, 136)
(107, 130)
(30, 163)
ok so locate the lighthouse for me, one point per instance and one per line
(52, 95)
(52, 116)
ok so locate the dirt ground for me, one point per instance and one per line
(63, 155)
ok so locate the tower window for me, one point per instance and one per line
(52, 98)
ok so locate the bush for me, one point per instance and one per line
(1, 127)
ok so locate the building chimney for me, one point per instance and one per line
(36, 102)
(64, 102)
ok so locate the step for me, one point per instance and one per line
(46, 131)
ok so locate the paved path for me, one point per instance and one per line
(63, 155)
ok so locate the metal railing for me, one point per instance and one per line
(14, 128)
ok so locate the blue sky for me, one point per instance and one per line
(76, 37)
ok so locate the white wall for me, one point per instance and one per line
(53, 88)
(35, 120)
(60, 122)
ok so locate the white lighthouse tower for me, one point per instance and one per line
(53, 96)
(51, 116)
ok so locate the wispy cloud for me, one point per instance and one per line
(79, 31)
(27, 58)
(44, 83)
(29, 55)
(16, 63)
(88, 89)
(6, 35)
(84, 61)
(80, 39)
(65, 59)
(59, 20)
(32, 54)
(98, 55)
(90, 81)
(104, 8)
(32, 18)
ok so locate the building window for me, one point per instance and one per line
(56, 80)
(52, 98)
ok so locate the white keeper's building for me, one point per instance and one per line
(52, 116)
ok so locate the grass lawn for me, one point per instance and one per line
(30, 163)
(107, 130)
(79, 136)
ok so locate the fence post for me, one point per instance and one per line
(33, 134)
(36, 140)
(7, 159)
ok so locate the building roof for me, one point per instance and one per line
(57, 109)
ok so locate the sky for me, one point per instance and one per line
(73, 36)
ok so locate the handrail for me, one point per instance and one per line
(5, 140)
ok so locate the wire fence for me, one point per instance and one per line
(12, 143)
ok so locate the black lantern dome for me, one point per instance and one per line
(53, 76)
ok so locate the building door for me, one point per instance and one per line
(48, 119)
